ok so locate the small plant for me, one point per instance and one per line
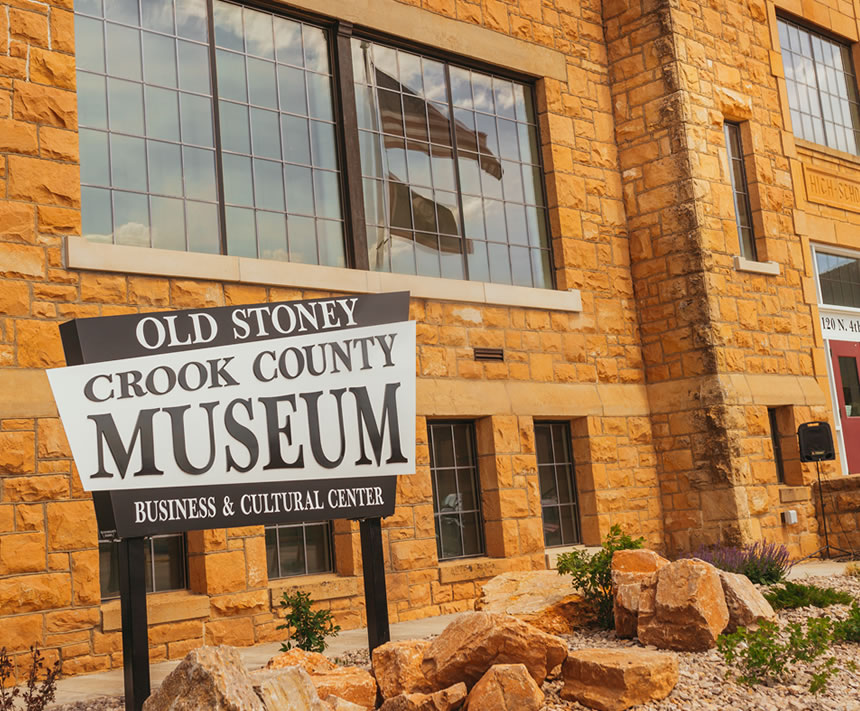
(309, 628)
(763, 656)
(848, 630)
(792, 595)
(593, 573)
(852, 570)
(37, 694)
(762, 563)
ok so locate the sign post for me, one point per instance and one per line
(235, 416)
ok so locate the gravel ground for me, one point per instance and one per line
(702, 685)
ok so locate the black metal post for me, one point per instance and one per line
(135, 640)
(823, 515)
(375, 595)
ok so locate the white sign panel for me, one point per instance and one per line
(837, 326)
(327, 405)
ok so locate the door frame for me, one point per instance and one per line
(844, 310)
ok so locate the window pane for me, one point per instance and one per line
(302, 549)
(557, 483)
(456, 497)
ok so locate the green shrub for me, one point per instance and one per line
(593, 574)
(791, 595)
(848, 630)
(762, 656)
(309, 628)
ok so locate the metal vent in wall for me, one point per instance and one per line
(497, 354)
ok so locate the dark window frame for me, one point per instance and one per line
(148, 541)
(326, 525)
(777, 446)
(848, 70)
(573, 506)
(740, 193)
(339, 34)
(478, 511)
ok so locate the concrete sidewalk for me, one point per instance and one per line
(80, 688)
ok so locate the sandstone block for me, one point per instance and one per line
(397, 667)
(348, 683)
(476, 641)
(616, 679)
(22, 631)
(505, 687)
(31, 593)
(44, 181)
(683, 607)
(443, 700)
(747, 606)
(543, 598)
(71, 524)
(287, 689)
(42, 104)
(335, 703)
(311, 662)
(630, 571)
(212, 678)
(22, 553)
(17, 453)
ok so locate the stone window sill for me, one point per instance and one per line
(83, 254)
(748, 265)
(325, 586)
(827, 151)
(173, 606)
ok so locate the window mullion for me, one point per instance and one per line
(216, 128)
(456, 161)
(353, 194)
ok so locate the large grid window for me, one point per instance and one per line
(737, 171)
(557, 484)
(456, 495)
(157, 150)
(165, 565)
(839, 278)
(450, 161)
(822, 88)
(298, 549)
(209, 126)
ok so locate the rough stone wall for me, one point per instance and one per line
(719, 344)
(842, 504)
(585, 367)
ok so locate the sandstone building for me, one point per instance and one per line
(631, 231)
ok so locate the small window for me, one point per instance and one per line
(299, 549)
(557, 484)
(737, 172)
(839, 278)
(456, 495)
(165, 565)
(777, 447)
(822, 88)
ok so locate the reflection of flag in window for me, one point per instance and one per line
(417, 114)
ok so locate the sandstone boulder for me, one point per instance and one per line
(542, 598)
(616, 679)
(287, 689)
(397, 667)
(349, 683)
(311, 662)
(683, 607)
(475, 641)
(631, 570)
(210, 679)
(444, 700)
(747, 606)
(335, 703)
(505, 687)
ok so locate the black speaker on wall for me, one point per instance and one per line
(816, 442)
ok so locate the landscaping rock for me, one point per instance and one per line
(747, 606)
(542, 598)
(475, 641)
(616, 679)
(208, 679)
(335, 703)
(311, 662)
(444, 700)
(631, 570)
(349, 683)
(683, 607)
(287, 689)
(397, 667)
(505, 687)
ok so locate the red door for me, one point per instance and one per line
(846, 370)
